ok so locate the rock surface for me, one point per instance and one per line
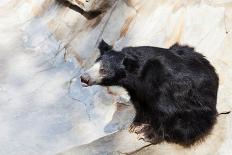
(46, 44)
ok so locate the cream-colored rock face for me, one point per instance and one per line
(45, 47)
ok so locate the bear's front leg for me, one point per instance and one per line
(141, 125)
(140, 117)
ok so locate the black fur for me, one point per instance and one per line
(103, 46)
(174, 90)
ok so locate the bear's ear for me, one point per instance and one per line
(130, 64)
(103, 47)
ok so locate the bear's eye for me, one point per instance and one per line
(102, 71)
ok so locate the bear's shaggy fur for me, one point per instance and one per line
(174, 91)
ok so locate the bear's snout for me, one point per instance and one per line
(85, 80)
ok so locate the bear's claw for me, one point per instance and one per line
(133, 126)
(145, 132)
(142, 128)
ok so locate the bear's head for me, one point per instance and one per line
(109, 69)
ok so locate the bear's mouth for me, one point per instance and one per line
(84, 81)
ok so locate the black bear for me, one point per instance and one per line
(174, 91)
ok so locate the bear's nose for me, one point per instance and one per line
(85, 79)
